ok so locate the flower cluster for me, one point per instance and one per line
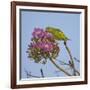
(42, 46)
(40, 33)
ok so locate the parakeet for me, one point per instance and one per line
(57, 33)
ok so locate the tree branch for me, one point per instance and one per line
(61, 69)
(71, 59)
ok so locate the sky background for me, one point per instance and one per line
(69, 23)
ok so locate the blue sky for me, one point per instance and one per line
(69, 23)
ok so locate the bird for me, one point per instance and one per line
(57, 33)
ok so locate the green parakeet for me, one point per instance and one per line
(57, 33)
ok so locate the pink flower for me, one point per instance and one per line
(38, 33)
(48, 35)
(47, 46)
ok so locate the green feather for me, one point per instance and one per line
(57, 33)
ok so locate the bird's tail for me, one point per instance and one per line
(68, 39)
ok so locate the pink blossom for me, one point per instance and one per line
(38, 33)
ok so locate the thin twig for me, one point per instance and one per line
(76, 59)
(30, 75)
(63, 63)
(61, 69)
(42, 74)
